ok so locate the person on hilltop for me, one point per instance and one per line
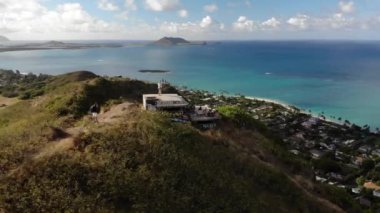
(94, 110)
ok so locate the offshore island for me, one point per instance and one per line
(176, 149)
(7, 45)
(154, 71)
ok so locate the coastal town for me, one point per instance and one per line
(342, 154)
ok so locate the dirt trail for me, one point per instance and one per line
(5, 102)
(111, 116)
(114, 114)
(71, 135)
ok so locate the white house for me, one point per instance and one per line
(311, 122)
(320, 179)
(164, 102)
(365, 149)
(316, 154)
(349, 143)
(376, 152)
(376, 193)
(357, 190)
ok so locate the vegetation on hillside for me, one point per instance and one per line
(144, 163)
(24, 86)
(148, 163)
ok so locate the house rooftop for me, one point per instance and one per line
(371, 185)
(165, 97)
(164, 101)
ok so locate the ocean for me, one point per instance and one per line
(338, 78)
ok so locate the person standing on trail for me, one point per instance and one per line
(94, 110)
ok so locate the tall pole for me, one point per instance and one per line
(159, 88)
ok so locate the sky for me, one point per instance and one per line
(191, 19)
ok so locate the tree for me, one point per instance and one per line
(360, 180)
(368, 165)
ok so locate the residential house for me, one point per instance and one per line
(317, 154)
(376, 193)
(336, 176)
(376, 152)
(166, 102)
(204, 117)
(349, 143)
(320, 179)
(371, 185)
(358, 160)
(365, 149)
(310, 123)
(357, 190)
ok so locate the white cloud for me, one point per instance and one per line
(244, 24)
(183, 13)
(162, 5)
(271, 23)
(123, 15)
(300, 21)
(206, 25)
(206, 22)
(210, 24)
(31, 20)
(373, 23)
(130, 4)
(107, 5)
(334, 22)
(210, 8)
(347, 7)
(175, 28)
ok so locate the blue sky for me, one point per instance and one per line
(193, 19)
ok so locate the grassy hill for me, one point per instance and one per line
(144, 162)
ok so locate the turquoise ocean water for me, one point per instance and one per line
(338, 78)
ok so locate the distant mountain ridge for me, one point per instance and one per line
(50, 45)
(3, 38)
(175, 41)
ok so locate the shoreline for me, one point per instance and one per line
(274, 101)
(47, 48)
(287, 106)
(291, 107)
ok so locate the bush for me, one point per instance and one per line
(340, 197)
(240, 117)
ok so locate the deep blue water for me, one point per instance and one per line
(338, 78)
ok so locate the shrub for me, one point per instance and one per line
(240, 117)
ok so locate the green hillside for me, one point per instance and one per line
(53, 158)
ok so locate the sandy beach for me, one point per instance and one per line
(290, 107)
(283, 104)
